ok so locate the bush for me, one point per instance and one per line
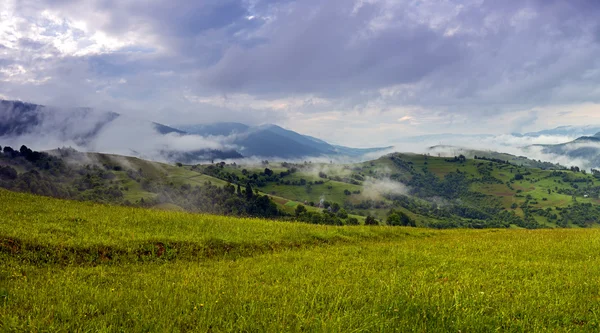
(370, 220)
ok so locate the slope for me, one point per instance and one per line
(71, 266)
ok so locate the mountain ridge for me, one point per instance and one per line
(92, 130)
(270, 140)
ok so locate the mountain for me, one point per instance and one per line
(46, 127)
(274, 141)
(216, 129)
(571, 131)
(78, 124)
(583, 151)
(164, 129)
(440, 138)
(191, 157)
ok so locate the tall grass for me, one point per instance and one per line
(272, 277)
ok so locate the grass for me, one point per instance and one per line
(331, 190)
(71, 266)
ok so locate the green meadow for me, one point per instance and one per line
(69, 266)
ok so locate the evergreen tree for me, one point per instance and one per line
(249, 193)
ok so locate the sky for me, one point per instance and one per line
(359, 73)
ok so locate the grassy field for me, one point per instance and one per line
(71, 266)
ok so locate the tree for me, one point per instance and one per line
(268, 172)
(342, 214)
(300, 209)
(249, 193)
(8, 173)
(394, 220)
(400, 219)
(370, 220)
(229, 188)
(335, 207)
(239, 190)
(352, 221)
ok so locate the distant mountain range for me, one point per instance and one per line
(38, 125)
(275, 141)
(571, 131)
(583, 150)
(79, 125)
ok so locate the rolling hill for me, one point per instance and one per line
(437, 192)
(451, 151)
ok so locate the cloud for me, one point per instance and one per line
(376, 188)
(421, 66)
(46, 128)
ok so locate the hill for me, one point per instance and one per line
(433, 191)
(72, 266)
(397, 189)
(448, 150)
(130, 181)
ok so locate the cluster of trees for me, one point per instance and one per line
(399, 218)
(580, 214)
(210, 198)
(427, 184)
(457, 159)
(258, 179)
(495, 160)
(485, 170)
(329, 216)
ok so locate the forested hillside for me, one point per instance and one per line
(397, 189)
